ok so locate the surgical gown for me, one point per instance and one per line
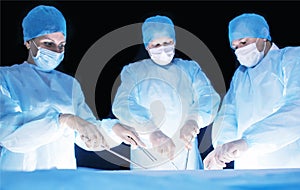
(262, 107)
(30, 135)
(165, 97)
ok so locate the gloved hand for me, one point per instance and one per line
(230, 151)
(128, 135)
(188, 132)
(162, 144)
(210, 162)
(89, 133)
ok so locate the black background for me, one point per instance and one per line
(87, 21)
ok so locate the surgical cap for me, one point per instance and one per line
(248, 25)
(43, 20)
(157, 27)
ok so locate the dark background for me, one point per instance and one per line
(88, 21)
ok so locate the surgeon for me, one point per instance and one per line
(258, 126)
(166, 100)
(43, 111)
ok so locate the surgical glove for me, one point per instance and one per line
(230, 151)
(188, 132)
(210, 162)
(162, 144)
(128, 135)
(89, 133)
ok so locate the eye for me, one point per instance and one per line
(156, 45)
(61, 46)
(243, 42)
(48, 44)
(168, 43)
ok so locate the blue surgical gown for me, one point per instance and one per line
(30, 102)
(262, 106)
(165, 97)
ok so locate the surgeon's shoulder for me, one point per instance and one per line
(291, 52)
(16, 69)
(140, 65)
(4, 69)
(187, 64)
(180, 61)
(238, 74)
(11, 67)
(64, 78)
(63, 75)
(290, 56)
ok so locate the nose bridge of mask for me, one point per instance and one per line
(50, 53)
(162, 49)
(246, 49)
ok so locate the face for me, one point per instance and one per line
(236, 44)
(156, 43)
(55, 42)
(161, 50)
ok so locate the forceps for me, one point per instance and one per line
(124, 158)
(187, 157)
(148, 154)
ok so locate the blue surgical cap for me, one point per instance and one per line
(248, 25)
(43, 20)
(157, 27)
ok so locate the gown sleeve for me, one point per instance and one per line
(206, 100)
(24, 131)
(282, 126)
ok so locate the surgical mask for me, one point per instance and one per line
(46, 60)
(162, 55)
(249, 55)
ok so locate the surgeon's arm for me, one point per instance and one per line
(206, 99)
(129, 112)
(204, 106)
(125, 106)
(282, 127)
(224, 128)
(24, 131)
(91, 134)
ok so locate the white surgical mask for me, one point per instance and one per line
(46, 60)
(162, 55)
(249, 55)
